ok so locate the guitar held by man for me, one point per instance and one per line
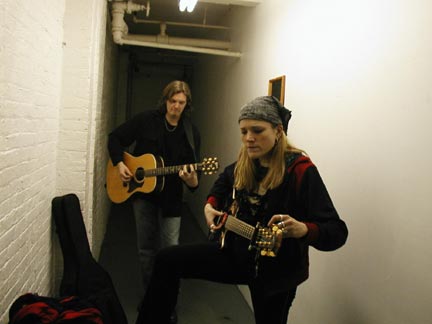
(147, 175)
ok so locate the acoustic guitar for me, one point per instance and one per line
(148, 175)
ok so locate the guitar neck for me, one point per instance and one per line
(169, 170)
(239, 227)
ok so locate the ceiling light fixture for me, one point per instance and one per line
(188, 5)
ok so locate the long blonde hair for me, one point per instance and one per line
(245, 170)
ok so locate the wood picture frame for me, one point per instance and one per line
(276, 87)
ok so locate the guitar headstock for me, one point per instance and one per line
(209, 165)
(268, 240)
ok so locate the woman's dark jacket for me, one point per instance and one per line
(148, 131)
(303, 196)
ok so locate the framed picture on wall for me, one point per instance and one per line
(276, 88)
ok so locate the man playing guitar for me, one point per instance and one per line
(169, 134)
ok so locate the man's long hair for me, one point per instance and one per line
(172, 89)
(245, 170)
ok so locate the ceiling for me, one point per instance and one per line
(205, 22)
(167, 11)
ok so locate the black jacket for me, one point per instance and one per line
(303, 196)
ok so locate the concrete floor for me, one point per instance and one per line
(200, 302)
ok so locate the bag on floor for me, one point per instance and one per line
(35, 309)
(83, 276)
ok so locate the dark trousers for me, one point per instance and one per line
(153, 232)
(206, 261)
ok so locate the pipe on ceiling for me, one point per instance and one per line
(173, 23)
(128, 40)
(121, 36)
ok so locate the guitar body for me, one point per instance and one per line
(222, 237)
(119, 191)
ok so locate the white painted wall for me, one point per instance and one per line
(88, 96)
(104, 120)
(83, 66)
(358, 80)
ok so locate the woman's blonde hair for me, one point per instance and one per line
(245, 170)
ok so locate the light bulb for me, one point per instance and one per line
(191, 6)
(188, 5)
(182, 5)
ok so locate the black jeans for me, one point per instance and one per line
(206, 261)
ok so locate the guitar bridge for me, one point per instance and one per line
(253, 240)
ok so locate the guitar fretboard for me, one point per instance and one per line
(169, 170)
(239, 227)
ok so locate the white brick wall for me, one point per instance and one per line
(82, 138)
(57, 90)
(30, 79)
(88, 98)
(104, 121)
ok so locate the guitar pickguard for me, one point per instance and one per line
(133, 185)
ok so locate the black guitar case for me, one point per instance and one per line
(83, 276)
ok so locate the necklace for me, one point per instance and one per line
(172, 129)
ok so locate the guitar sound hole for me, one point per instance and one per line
(139, 174)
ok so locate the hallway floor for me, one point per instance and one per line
(200, 302)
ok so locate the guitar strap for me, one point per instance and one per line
(189, 135)
(233, 209)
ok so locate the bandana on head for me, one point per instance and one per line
(266, 108)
